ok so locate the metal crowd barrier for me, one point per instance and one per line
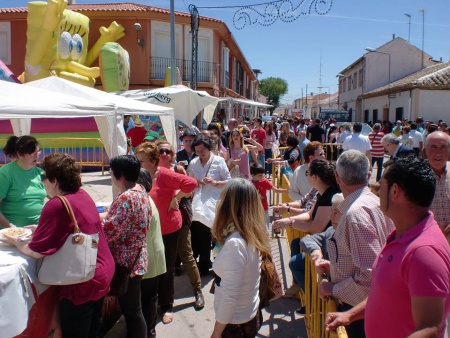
(86, 151)
(316, 308)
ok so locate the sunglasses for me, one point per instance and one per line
(165, 151)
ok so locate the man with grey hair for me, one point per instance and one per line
(392, 145)
(437, 148)
(359, 237)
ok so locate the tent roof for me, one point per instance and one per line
(19, 101)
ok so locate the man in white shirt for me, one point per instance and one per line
(358, 142)
(417, 139)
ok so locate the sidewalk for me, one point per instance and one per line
(280, 319)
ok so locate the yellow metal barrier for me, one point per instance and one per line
(317, 308)
(86, 151)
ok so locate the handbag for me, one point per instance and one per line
(234, 172)
(119, 283)
(75, 261)
(270, 278)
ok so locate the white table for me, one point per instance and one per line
(17, 272)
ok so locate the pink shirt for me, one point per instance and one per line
(164, 188)
(415, 265)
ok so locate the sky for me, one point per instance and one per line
(311, 50)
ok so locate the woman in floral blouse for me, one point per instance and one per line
(125, 228)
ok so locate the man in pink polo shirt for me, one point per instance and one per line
(409, 294)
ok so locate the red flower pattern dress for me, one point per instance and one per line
(125, 228)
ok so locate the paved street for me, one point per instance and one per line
(280, 319)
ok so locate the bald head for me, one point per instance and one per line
(232, 124)
(437, 147)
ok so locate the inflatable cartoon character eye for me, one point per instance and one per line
(65, 45)
(77, 49)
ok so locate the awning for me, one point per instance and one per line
(245, 102)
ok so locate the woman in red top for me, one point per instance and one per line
(167, 189)
(80, 306)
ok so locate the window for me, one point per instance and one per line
(355, 79)
(225, 66)
(5, 42)
(360, 84)
(340, 86)
(344, 85)
(375, 115)
(366, 115)
(349, 80)
(399, 113)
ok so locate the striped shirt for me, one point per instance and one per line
(441, 202)
(359, 237)
(375, 140)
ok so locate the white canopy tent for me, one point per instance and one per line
(187, 103)
(21, 103)
(122, 106)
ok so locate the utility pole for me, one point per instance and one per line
(409, 24)
(422, 11)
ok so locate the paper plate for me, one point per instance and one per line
(16, 232)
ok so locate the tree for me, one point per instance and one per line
(273, 88)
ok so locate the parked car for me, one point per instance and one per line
(366, 129)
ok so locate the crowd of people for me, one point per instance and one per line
(383, 246)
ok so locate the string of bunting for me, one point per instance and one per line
(267, 13)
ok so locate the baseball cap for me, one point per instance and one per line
(187, 132)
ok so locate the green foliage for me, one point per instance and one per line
(273, 88)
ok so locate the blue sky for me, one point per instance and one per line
(293, 50)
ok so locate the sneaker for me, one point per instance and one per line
(292, 291)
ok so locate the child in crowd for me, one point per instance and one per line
(263, 185)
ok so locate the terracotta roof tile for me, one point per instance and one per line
(432, 77)
(112, 7)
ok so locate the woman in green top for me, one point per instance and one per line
(22, 192)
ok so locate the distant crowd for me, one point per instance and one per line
(204, 210)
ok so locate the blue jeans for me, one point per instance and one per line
(297, 266)
(262, 160)
(268, 154)
(297, 263)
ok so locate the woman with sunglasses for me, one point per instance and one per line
(22, 192)
(168, 189)
(80, 305)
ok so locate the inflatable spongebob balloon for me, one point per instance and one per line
(57, 41)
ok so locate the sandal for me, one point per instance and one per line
(167, 318)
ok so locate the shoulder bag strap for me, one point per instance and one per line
(374, 137)
(76, 228)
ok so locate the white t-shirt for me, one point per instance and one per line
(238, 265)
(416, 138)
(358, 142)
(299, 186)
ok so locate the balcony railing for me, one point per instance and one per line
(206, 71)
